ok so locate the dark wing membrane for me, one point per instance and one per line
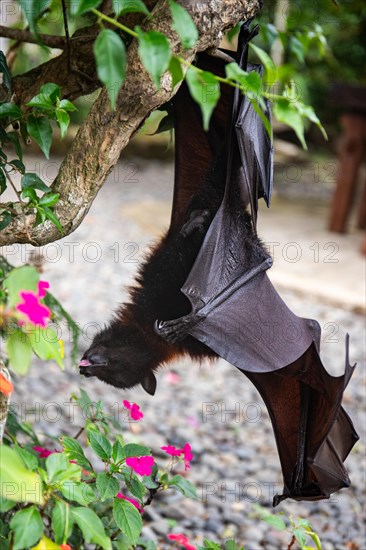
(196, 149)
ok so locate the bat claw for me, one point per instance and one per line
(169, 330)
(197, 221)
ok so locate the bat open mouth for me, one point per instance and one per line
(86, 367)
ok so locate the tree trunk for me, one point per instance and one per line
(105, 133)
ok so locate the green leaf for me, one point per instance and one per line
(91, 527)
(59, 313)
(5, 219)
(31, 195)
(268, 63)
(20, 278)
(30, 461)
(211, 545)
(63, 120)
(183, 25)
(132, 449)
(286, 112)
(85, 5)
(82, 493)
(155, 53)
(175, 70)
(274, 521)
(18, 165)
(45, 344)
(4, 69)
(128, 519)
(74, 451)
(33, 10)
(19, 351)
(28, 527)
(107, 486)
(66, 105)
(100, 445)
(110, 56)
(42, 102)
(14, 139)
(231, 34)
(136, 488)
(50, 199)
(30, 179)
(307, 112)
(205, 90)
(61, 521)
(120, 7)
(60, 469)
(231, 545)
(297, 48)
(46, 213)
(250, 83)
(184, 486)
(52, 90)
(40, 129)
(6, 505)
(10, 110)
(299, 535)
(2, 181)
(118, 453)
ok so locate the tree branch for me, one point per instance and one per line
(23, 35)
(104, 134)
(82, 79)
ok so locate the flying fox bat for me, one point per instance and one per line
(204, 291)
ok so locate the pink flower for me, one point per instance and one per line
(186, 451)
(181, 539)
(171, 450)
(141, 464)
(135, 412)
(132, 500)
(37, 313)
(44, 453)
(42, 286)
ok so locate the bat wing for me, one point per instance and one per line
(314, 434)
(237, 312)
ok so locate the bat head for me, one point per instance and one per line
(119, 356)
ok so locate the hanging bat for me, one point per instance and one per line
(204, 292)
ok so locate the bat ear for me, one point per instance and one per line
(149, 383)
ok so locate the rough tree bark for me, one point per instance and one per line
(104, 134)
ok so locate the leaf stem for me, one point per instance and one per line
(114, 22)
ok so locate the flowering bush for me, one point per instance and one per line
(60, 498)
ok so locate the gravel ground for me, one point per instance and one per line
(212, 406)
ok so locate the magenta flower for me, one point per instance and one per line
(186, 452)
(171, 450)
(42, 286)
(44, 453)
(135, 412)
(37, 313)
(141, 464)
(182, 539)
(132, 500)
(187, 455)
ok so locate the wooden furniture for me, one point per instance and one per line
(351, 100)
